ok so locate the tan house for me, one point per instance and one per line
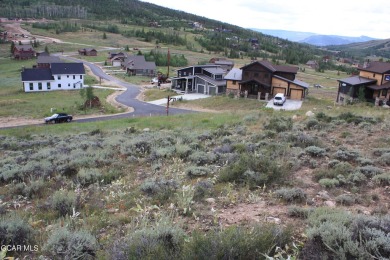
(372, 84)
(262, 79)
(88, 52)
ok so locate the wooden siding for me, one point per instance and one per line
(230, 85)
(372, 75)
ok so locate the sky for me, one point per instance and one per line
(330, 17)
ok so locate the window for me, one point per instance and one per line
(234, 82)
(266, 75)
(384, 92)
(68, 84)
(256, 74)
(59, 85)
(74, 76)
(31, 86)
(59, 77)
(48, 85)
(81, 77)
(67, 76)
(39, 86)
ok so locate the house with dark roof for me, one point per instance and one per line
(116, 59)
(372, 84)
(224, 63)
(23, 52)
(204, 79)
(262, 79)
(59, 76)
(88, 52)
(136, 65)
(44, 61)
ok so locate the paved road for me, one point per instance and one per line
(128, 97)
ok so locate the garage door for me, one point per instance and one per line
(212, 90)
(200, 88)
(279, 90)
(296, 94)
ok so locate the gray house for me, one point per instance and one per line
(136, 65)
(204, 79)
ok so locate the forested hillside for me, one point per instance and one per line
(215, 36)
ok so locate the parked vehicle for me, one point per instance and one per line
(279, 99)
(59, 118)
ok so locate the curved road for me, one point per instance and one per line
(128, 98)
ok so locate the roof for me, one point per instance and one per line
(138, 62)
(24, 47)
(67, 68)
(296, 82)
(36, 74)
(376, 66)
(376, 87)
(215, 70)
(224, 62)
(234, 74)
(274, 68)
(48, 59)
(311, 62)
(201, 66)
(357, 80)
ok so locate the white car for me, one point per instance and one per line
(279, 99)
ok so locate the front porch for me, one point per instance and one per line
(254, 90)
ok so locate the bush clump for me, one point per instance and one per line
(346, 155)
(88, 176)
(63, 202)
(236, 243)
(279, 124)
(254, 171)
(197, 171)
(329, 183)
(315, 151)
(159, 188)
(15, 231)
(291, 194)
(65, 244)
(299, 212)
(346, 199)
(337, 234)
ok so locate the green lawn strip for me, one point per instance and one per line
(188, 122)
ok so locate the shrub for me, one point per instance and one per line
(197, 171)
(236, 242)
(300, 139)
(291, 194)
(343, 169)
(329, 183)
(202, 189)
(63, 202)
(159, 188)
(34, 188)
(346, 199)
(161, 240)
(384, 159)
(202, 158)
(254, 171)
(279, 124)
(369, 170)
(315, 151)
(299, 212)
(336, 234)
(15, 231)
(321, 116)
(345, 155)
(88, 176)
(357, 178)
(65, 244)
(183, 150)
(382, 179)
(311, 124)
(380, 151)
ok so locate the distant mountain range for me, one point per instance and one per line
(314, 38)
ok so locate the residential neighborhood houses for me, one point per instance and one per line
(372, 84)
(23, 52)
(58, 76)
(262, 79)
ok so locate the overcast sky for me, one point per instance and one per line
(330, 17)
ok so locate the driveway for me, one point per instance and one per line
(191, 96)
(290, 104)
